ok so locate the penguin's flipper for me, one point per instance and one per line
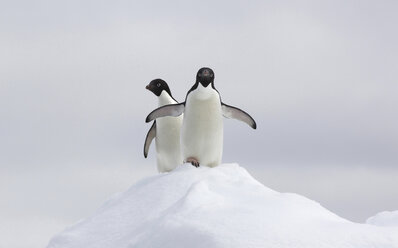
(149, 137)
(166, 110)
(236, 113)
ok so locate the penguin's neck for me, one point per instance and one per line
(165, 99)
(204, 93)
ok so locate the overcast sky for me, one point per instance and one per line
(320, 78)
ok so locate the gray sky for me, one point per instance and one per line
(319, 78)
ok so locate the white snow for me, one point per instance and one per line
(385, 218)
(216, 207)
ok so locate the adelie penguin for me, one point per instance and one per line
(202, 128)
(165, 130)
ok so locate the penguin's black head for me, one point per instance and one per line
(157, 86)
(205, 76)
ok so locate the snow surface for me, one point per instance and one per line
(384, 219)
(216, 207)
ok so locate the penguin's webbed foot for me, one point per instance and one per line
(193, 161)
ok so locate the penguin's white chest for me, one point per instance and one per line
(202, 128)
(168, 138)
(168, 143)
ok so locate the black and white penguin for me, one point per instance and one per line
(202, 128)
(165, 130)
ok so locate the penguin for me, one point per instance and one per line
(202, 127)
(165, 130)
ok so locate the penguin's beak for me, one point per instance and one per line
(148, 87)
(206, 73)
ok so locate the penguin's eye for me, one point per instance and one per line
(158, 85)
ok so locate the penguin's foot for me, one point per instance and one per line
(193, 161)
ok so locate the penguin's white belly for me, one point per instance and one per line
(202, 128)
(168, 143)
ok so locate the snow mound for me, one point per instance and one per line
(216, 207)
(384, 219)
